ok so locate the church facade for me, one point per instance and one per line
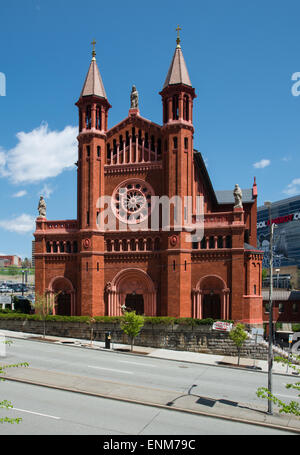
(124, 250)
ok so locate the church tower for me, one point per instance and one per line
(177, 131)
(93, 112)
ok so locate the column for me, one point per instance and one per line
(130, 149)
(118, 154)
(143, 149)
(170, 109)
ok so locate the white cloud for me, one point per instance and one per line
(46, 191)
(20, 193)
(262, 163)
(39, 154)
(293, 188)
(20, 224)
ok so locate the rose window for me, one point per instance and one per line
(132, 201)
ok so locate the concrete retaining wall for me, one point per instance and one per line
(177, 337)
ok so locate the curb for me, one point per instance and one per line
(161, 406)
(72, 344)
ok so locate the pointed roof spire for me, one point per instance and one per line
(93, 84)
(178, 73)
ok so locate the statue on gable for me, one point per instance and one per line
(134, 98)
(237, 193)
(42, 207)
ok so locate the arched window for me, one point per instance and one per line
(159, 147)
(132, 245)
(149, 245)
(54, 247)
(75, 247)
(220, 241)
(141, 244)
(175, 107)
(211, 242)
(68, 247)
(108, 151)
(203, 243)
(80, 120)
(157, 244)
(127, 138)
(124, 245)
(228, 241)
(186, 107)
(133, 135)
(48, 247)
(152, 144)
(61, 247)
(98, 117)
(166, 111)
(195, 245)
(88, 118)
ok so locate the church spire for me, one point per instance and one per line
(93, 84)
(178, 73)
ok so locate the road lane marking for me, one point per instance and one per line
(137, 363)
(36, 413)
(110, 369)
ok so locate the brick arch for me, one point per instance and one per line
(130, 281)
(61, 296)
(60, 283)
(211, 282)
(208, 287)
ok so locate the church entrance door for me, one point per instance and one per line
(135, 302)
(63, 304)
(212, 306)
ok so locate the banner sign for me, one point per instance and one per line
(222, 326)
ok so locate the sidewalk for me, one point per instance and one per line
(168, 354)
(188, 402)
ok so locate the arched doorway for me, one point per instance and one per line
(61, 296)
(211, 298)
(63, 304)
(211, 306)
(134, 289)
(135, 302)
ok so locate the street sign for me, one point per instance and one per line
(5, 299)
(257, 335)
(222, 326)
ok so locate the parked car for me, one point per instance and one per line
(4, 289)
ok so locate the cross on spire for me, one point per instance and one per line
(178, 35)
(93, 52)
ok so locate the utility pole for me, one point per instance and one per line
(270, 351)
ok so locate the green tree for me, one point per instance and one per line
(5, 403)
(288, 408)
(131, 324)
(238, 335)
(43, 309)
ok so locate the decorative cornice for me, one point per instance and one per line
(131, 168)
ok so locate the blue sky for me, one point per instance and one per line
(240, 56)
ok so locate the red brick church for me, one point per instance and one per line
(86, 269)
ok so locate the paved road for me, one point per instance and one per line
(176, 377)
(47, 411)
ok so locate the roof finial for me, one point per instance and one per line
(93, 52)
(178, 36)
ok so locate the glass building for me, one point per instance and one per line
(286, 243)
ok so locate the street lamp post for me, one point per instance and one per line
(270, 351)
